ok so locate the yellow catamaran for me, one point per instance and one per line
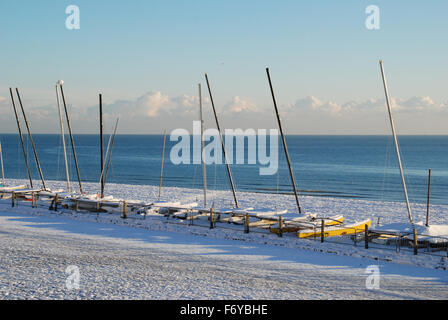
(334, 231)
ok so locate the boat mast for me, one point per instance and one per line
(63, 138)
(31, 140)
(21, 139)
(71, 136)
(229, 173)
(291, 173)
(101, 145)
(161, 169)
(1, 163)
(204, 172)
(397, 149)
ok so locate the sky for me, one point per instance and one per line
(148, 57)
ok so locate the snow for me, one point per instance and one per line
(431, 233)
(156, 258)
(439, 231)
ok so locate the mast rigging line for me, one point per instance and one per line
(103, 170)
(397, 149)
(31, 140)
(109, 153)
(21, 138)
(71, 136)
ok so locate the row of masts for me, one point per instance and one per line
(105, 167)
(291, 173)
(60, 93)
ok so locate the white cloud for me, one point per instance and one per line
(3, 105)
(413, 104)
(312, 103)
(154, 111)
(42, 112)
(420, 104)
(309, 102)
(157, 104)
(150, 103)
(238, 105)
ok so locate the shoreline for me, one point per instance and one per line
(352, 208)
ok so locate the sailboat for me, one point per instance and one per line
(165, 207)
(233, 214)
(59, 197)
(72, 200)
(27, 191)
(175, 208)
(272, 219)
(335, 231)
(397, 151)
(92, 202)
(434, 233)
(99, 202)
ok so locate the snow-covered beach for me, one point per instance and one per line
(159, 259)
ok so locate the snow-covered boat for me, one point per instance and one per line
(179, 211)
(432, 234)
(301, 217)
(255, 215)
(25, 193)
(10, 189)
(5, 190)
(108, 204)
(296, 225)
(426, 233)
(219, 214)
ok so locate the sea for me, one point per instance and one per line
(358, 167)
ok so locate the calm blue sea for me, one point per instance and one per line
(363, 167)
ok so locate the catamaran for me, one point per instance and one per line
(99, 202)
(23, 191)
(192, 210)
(61, 195)
(92, 202)
(433, 233)
(296, 222)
